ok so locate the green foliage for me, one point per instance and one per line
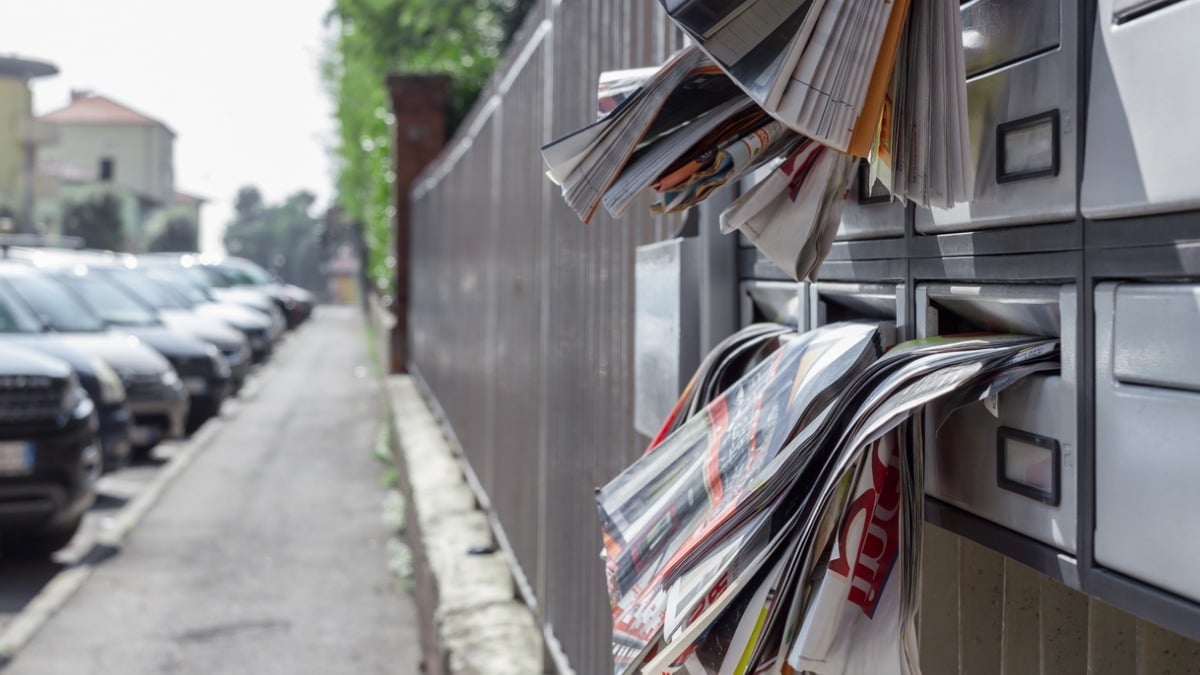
(284, 238)
(181, 234)
(97, 219)
(463, 39)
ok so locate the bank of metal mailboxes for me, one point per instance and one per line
(1148, 433)
(1021, 58)
(831, 302)
(666, 328)
(1141, 141)
(784, 302)
(1011, 460)
(870, 212)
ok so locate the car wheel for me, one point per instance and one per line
(40, 543)
(200, 412)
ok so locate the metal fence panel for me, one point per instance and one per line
(522, 317)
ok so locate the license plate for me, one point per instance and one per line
(16, 458)
(143, 435)
(195, 385)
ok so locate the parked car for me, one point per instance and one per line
(206, 374)
(233, 272)
(93, 265)
(176, 296)
(199, 275)
(49, 458)
(19, 328)
(154, 392)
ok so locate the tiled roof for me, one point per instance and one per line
(96, 109)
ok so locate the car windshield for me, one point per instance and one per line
(252, 273)
(150, 291)
(179, 282)
(112, 302)
(222, 277)
(56, 306)
(15, 317)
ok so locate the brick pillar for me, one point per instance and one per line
(419, 104)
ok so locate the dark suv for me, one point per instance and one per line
(49, 459)
(20, 328)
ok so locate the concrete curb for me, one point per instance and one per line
(471, 618)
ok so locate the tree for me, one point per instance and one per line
(248, 204)
(181, 234)
(463, 39)
(283, 237)
(98, 220)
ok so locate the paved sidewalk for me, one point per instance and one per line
(268, 554)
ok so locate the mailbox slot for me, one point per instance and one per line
(666, 328)
(832, 302)
(1021, 60)
(1147, 426)
(776, 301)
(1011, 460)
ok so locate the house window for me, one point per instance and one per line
(108, 168)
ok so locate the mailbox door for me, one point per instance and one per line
(870, 213)
(1012, 460)
(666, 328)
(1147, 431)
(1143, 103)
(1021, 60)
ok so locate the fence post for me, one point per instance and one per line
(419, 132)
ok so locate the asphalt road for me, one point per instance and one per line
(267, 554)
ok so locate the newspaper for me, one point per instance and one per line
(778, 529)
(806, 87)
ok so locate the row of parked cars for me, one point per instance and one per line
(103, 355)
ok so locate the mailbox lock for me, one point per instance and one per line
(1029, 465)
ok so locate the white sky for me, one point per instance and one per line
(237, 80)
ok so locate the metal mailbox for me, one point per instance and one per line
(834, 301)
(1021, 58)
(870, 213)
(778, 301)
(1140, 147)
(1012, 460)
(666, 328)
(1147, 426)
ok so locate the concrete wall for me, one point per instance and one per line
(15, 110)
(143, 155)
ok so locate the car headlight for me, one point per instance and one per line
(220, 364)
(75, 400)
(171, 379)
(111, 389)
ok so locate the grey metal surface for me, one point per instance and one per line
(1146, 459)
(830, 302)
(783, 302)
(523, 318)
(1140, 152)
(867, 219)
(1065, 236)
(961, 457)
(666, 334)
(1152, 324)
(1039, 84)
(961, 452)
(999, 32)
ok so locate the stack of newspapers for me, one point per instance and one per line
(793, 92)
(774, 525)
